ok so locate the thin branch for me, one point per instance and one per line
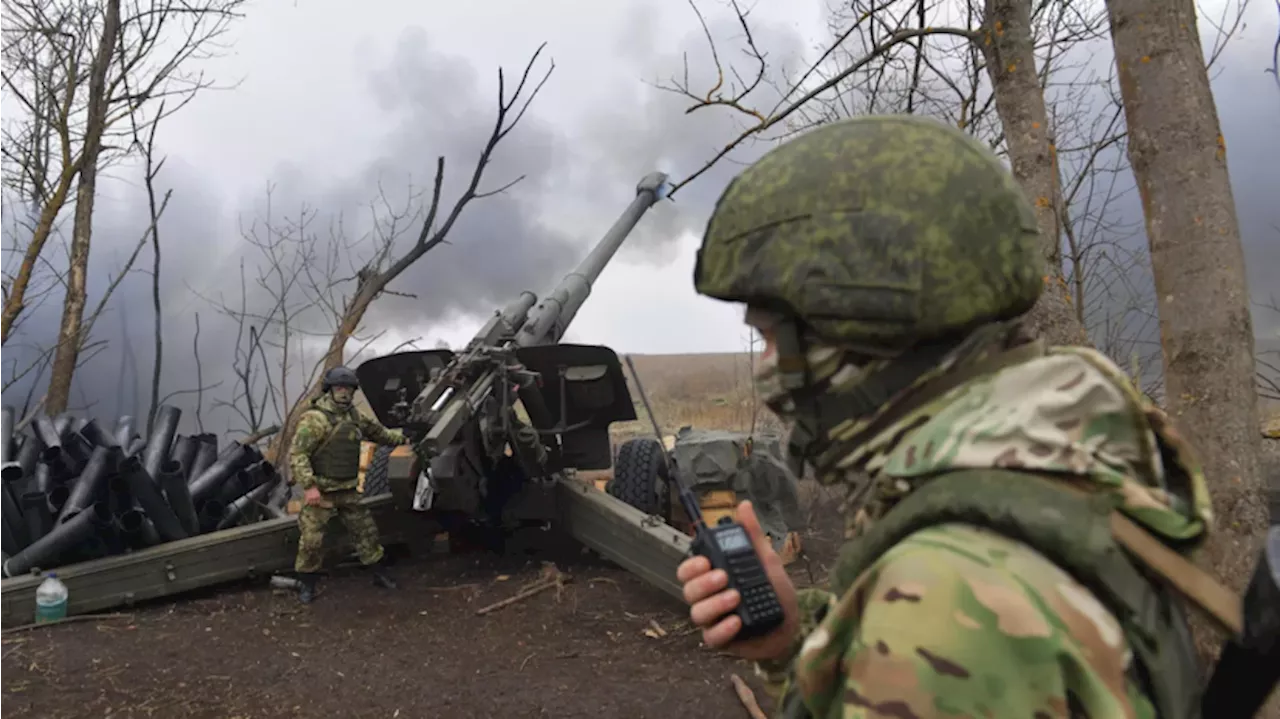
(195, 352)
(773, 119)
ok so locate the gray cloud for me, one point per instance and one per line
(115, 376)
(580, 173)
(523, 238)
(577, 180)
(620, 140)
(502, 244)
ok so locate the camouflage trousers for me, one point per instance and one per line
(313, 520)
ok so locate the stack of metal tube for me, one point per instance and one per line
(74, 490)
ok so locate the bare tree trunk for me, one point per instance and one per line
(67, 353)
(15, 301)
(157, 366)
(372, 279)
(1179, 160)
(1008, 48)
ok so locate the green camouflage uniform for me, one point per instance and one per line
(329, 436)
(894, 256)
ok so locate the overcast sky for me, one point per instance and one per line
(335, 97)
(325, 92)
(328, 95)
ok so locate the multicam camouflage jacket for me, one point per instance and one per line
(954, 619)
(315, 427)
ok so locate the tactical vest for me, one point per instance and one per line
(1073, 529)
(338, 455)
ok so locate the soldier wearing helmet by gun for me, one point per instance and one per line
(1019, 514)
(325, 461)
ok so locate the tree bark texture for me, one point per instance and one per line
(1007, 46)
(67, 353)
(1179, 160)
(15, 302)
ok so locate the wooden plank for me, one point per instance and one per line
(170, 568)
(641, 544)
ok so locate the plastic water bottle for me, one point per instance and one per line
(282, 582)
(51, 599)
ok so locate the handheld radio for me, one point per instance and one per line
(727, 546)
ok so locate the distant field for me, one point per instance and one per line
(712, 391)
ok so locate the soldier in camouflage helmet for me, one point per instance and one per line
(325, 461)
(886, 261)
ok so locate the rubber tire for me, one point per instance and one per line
(637, 472)
(376, 480)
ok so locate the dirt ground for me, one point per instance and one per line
(248, 651)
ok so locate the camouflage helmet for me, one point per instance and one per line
(338, 377)
(878, 232)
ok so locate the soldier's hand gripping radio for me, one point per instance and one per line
(726, 546)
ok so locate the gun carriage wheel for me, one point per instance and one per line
(638, 473)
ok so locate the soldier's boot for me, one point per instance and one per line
(307, 590)
(380, 576)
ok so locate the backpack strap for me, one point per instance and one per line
(1196, 585)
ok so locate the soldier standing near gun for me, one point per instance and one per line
(998, 567)
(324, 460)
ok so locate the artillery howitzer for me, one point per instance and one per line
(503, 428)
(500, 429)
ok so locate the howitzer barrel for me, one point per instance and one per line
(547, 321)
(514, 314)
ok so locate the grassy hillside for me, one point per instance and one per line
(704, 390)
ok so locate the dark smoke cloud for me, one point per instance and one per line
(577, 180)
(440, 105)
(114, 379)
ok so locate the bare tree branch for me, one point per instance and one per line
(765, 121)
(75, 71)
(859, 71)
(314, 284)
(195, 353)
(1275, 55)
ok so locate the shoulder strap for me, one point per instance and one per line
(1215, 600)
